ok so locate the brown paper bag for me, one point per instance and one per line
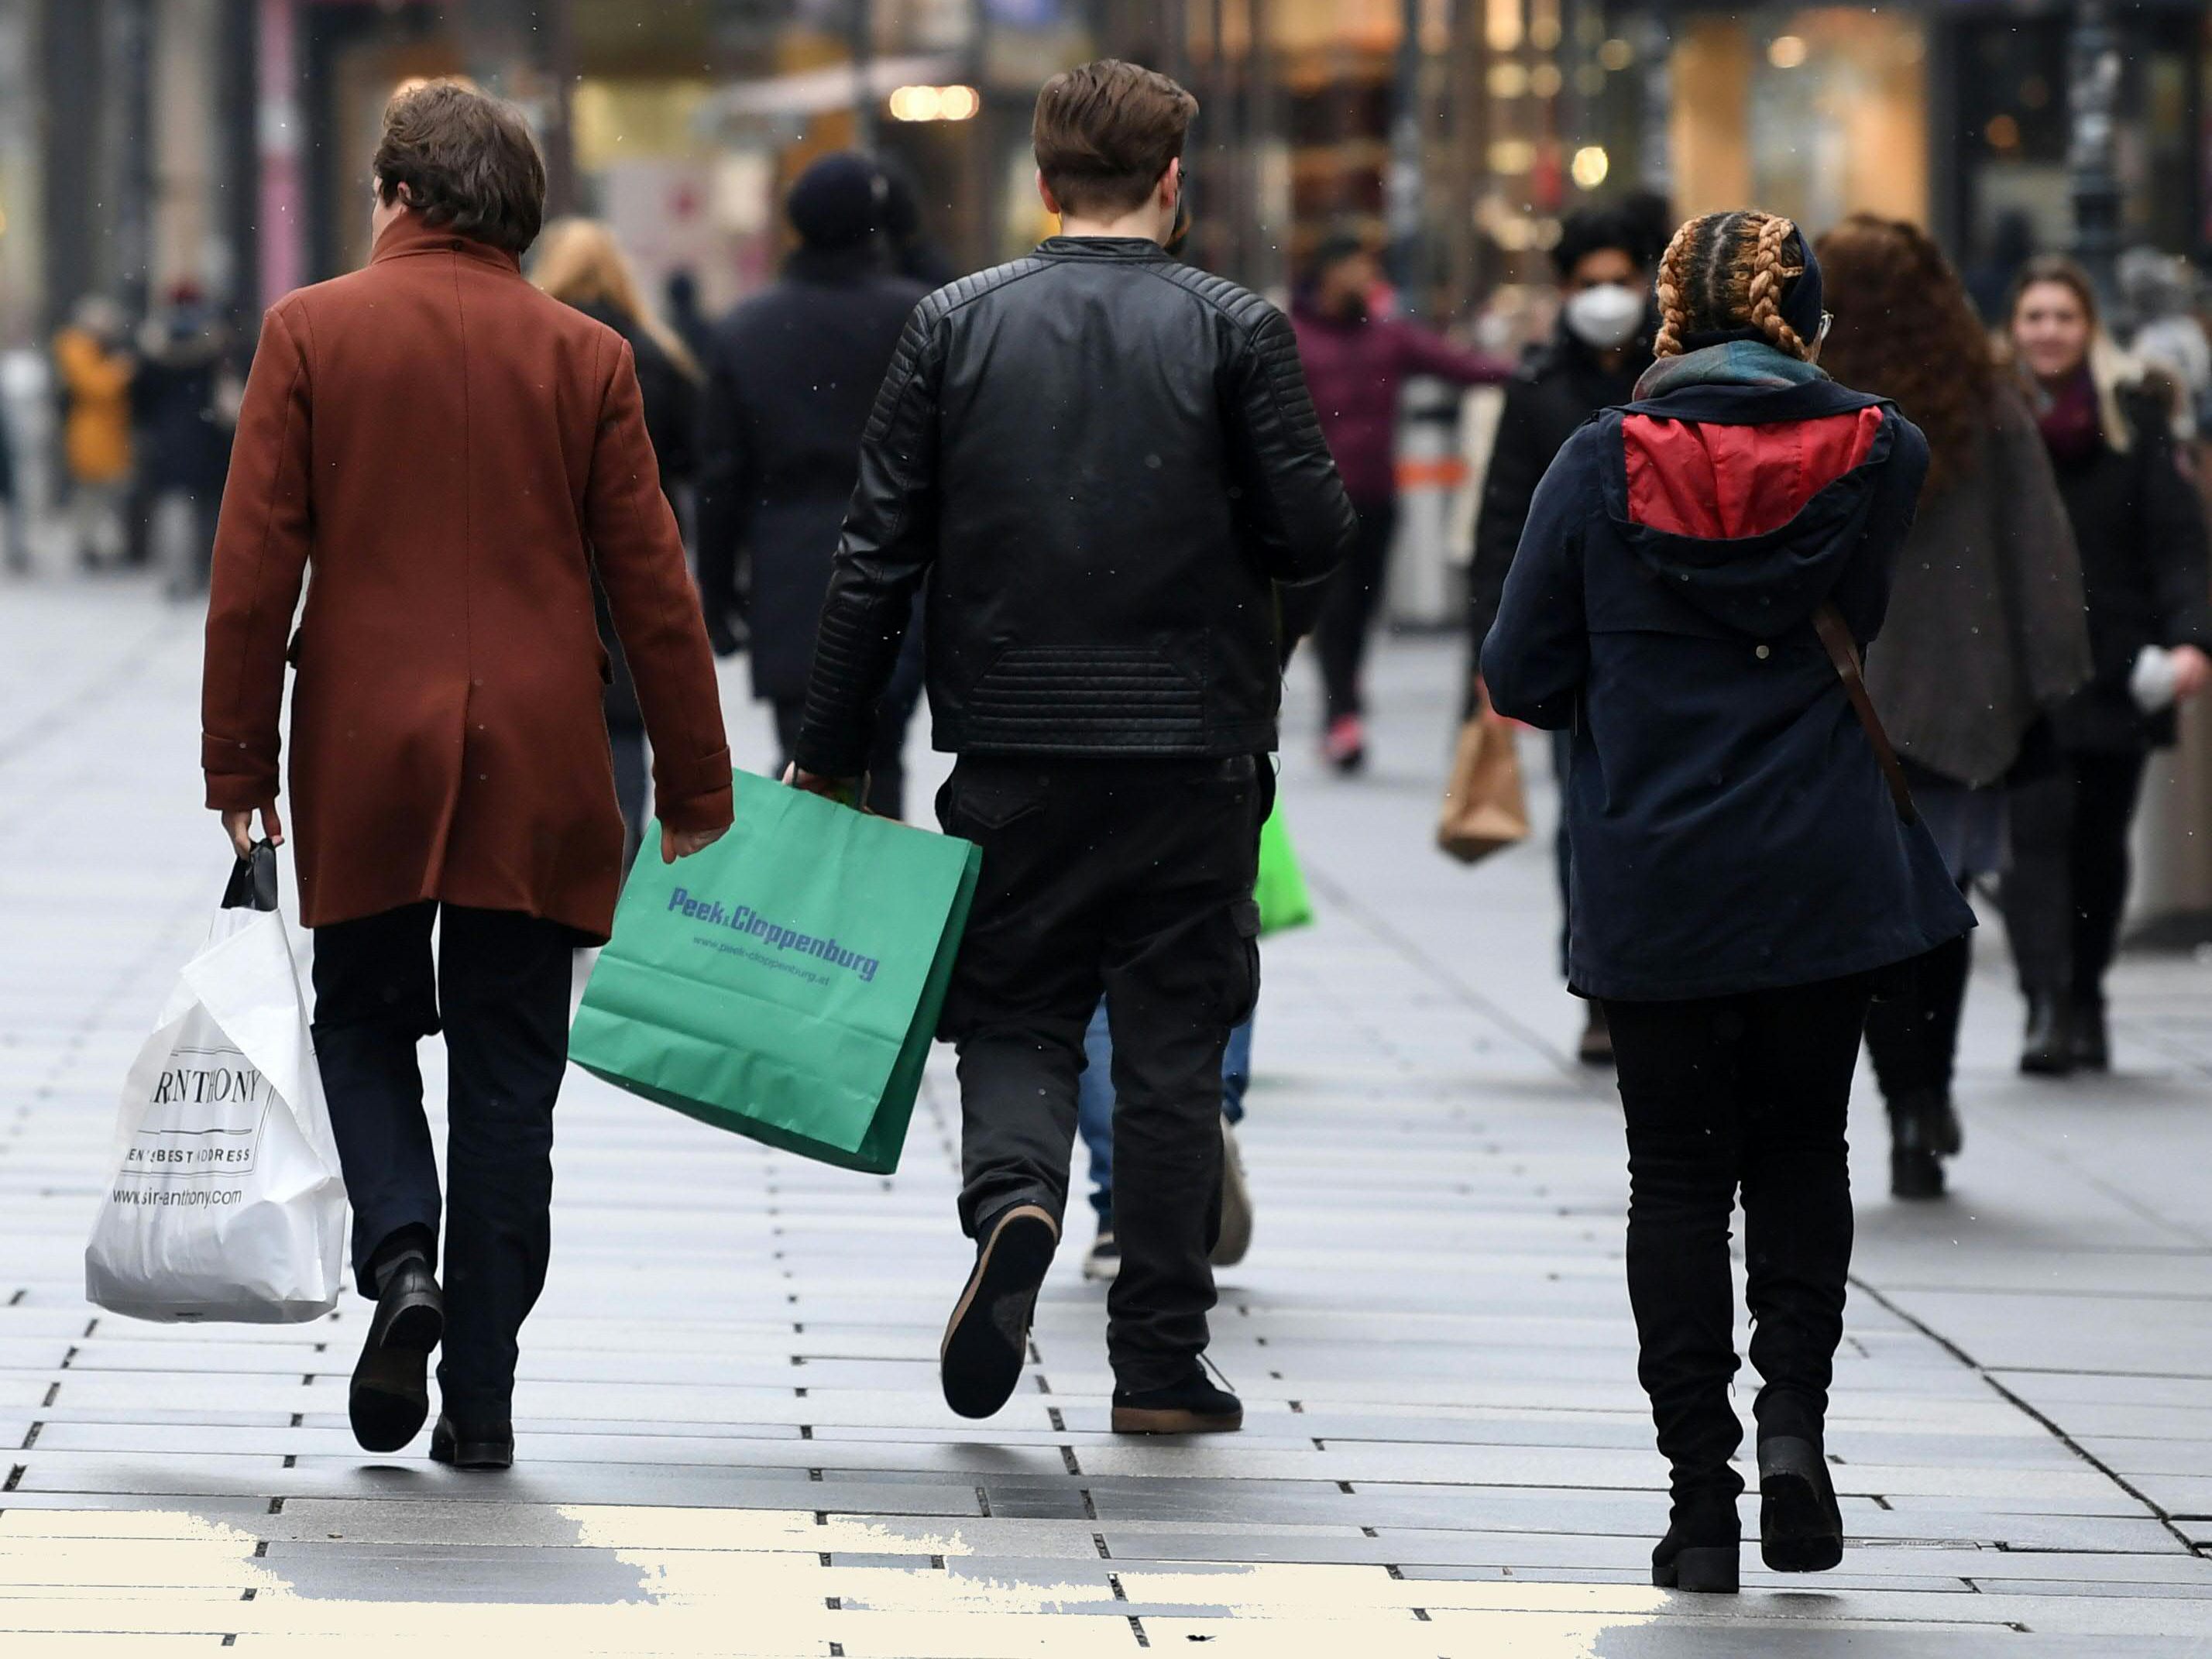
(1484, 808)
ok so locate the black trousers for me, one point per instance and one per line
(2068, 885)
(1912, 1033)
(1131, 879)
(503, 979)
(1724, 1095)
(633, 783)
(1348, 615)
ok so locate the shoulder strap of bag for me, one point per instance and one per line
(1843, 651)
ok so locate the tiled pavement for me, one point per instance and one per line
(732, 1437)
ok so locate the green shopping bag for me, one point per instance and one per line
(785, 983)
(1280, 891)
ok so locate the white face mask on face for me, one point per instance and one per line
(1605, 316)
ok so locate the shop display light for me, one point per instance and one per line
(1787, 51)
(935, 103)
(1590, 166)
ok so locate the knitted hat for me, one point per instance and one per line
(837, 202)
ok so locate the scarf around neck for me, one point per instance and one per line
(1736, 362)
(2073, 427)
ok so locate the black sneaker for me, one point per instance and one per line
(485, 1446)
(981, 1360)
(1105, 1258)
(1193, 1406)
(391, 1393)
(1801, 1526)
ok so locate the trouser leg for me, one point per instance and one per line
(2106, 788)
(1236, 1072)
(505, 978)
(1340, 635)
(1094, 1111)
(1802, 1049)
(1182, 971)
(1562, 760)
(633, 783)
(1026, 985)
(1679, 1068)
(1913, 1036)
(2038, 895)
(790, 715)
(375, 999)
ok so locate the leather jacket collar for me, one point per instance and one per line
(1100, 247)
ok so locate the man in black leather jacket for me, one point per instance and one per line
(1102, 464)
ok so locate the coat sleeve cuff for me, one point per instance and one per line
(237, 778)
(699, 800)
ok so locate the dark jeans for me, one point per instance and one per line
(1348, 613)
(1724, 1094)
(1912, 1035)
(500, 984)
(633, 783)
(1132, 879)
(2067, 883)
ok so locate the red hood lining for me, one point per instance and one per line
(1716, 482)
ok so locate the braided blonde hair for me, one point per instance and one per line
(1728, 270)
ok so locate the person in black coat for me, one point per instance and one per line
(1742, 873)
(183, 432)
(1604, 258)
(2140, 524)
(580, 263)
(791, 377)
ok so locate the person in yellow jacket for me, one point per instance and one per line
(95, 373)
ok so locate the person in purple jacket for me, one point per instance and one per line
(1355, 362)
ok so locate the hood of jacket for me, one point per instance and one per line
(1744, 483)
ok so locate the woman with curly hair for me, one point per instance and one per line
(1986, 633)
(1698, 570)
(2140, 524)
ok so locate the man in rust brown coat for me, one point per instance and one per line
(454, 454)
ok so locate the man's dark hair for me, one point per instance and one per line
(466, 160)
(1104, 133)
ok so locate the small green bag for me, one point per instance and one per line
(785, 983)
(1280, 891)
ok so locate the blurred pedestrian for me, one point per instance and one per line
(1356, 363)
(2139, 523)
(1695, 569)
(1601, 345)
(453, 452)
(680, 300)
(14, 548)
(1986, 633)
(579, 264)
(792, 376)
(1102, 464)
(916, 253)
(2160, 292)
(94, 369)
(184, 433)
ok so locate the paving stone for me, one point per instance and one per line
(731, 1377)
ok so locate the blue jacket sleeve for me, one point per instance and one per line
(1862, 592)
(1537, 654)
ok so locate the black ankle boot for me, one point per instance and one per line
(1699, 1551)
(1801, 1526)
(1916, 1161)
(2047, 1049)
(2092, 1046)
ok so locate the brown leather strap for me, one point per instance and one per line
(1844, 652)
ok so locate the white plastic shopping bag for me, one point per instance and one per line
(227, 1202)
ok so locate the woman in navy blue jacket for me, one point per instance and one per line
(1742, 873)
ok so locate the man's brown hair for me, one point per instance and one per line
(466, 160)
(1104, 133)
